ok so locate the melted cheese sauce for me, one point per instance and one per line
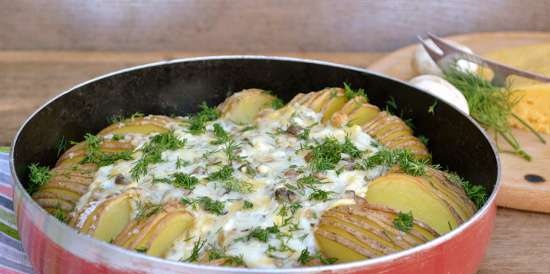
(269, 158)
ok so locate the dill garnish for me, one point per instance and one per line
(476, 193)
(180, 179)
(326, 155)
(152, 152)
(350, 93)
(401, 157)
(225, 173)
(61, 145)
(403, 221)
(94, 155)
(431, 108)
(277, 103)
(59, 214)
(38, 176)
(247, 205)
(147, 209)
(490, 105)
(198, 122)
(217, 254)
(221, 135)
(306, 257)
(262, 234)
(197, 247)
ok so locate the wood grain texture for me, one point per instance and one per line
(516, 191)
(520, 241)
(248, 26)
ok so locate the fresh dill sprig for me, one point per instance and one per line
(247, 204)
(228, 260)
(326, 155)
(221, 135)
(94, 155)
(197, 123)
(489, 105)
(277, 103)
(476, 193)
(225, 173)
(306, 257)
(61, 145)
(231, 149)
(59, 214)
(186, 181)
(197, 247)
(152, 152)
(401, 157)
(147, 209)
(262, 234)
(403, 221)
(320, 195)
(38, 176)
(350, 93)
(431, 108)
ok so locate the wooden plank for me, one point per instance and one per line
(253, 26)
(516, 191)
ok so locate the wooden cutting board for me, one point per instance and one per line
(517, 191)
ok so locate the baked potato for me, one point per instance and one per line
(242, 107)
(362, 231)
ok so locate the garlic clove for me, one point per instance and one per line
(441, 89)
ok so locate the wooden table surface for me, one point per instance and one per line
(520, 243)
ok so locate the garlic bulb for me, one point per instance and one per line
(441, 89)
(422, 63)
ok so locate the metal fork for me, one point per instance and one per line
(449, 54)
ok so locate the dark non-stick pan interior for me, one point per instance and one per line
(177, 88)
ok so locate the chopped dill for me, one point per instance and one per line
(212, 206)
(197, 123)
(117, 137)
(306, 257)
(183, 180)
(61, 145)
(94, 155)
(476, 193)
(350, 93)
(152, 152)
(59, 214)
(146, 209)
(247, 205)
(304, 135)
(490, 105)
(38, 176)
(225, 173)
(326, 155)
(404, 158)
(277, 103)
(228, 260)
(403, 221)
(231, 149)
(221, 135)
(320, 195)
(431, 108)
(262, 234)
(197, 247)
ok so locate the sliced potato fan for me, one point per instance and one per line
(139, 125)
(430, 200)
(362, 231)
(242, 107)
(104, 221)
(155, 234)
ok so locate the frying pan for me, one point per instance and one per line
(178, 87)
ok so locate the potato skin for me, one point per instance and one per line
(244, 106)
(362, 231)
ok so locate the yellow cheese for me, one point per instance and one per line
(533, 107)
(533, 97)
(533, 58)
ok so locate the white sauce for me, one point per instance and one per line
(270, 152)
